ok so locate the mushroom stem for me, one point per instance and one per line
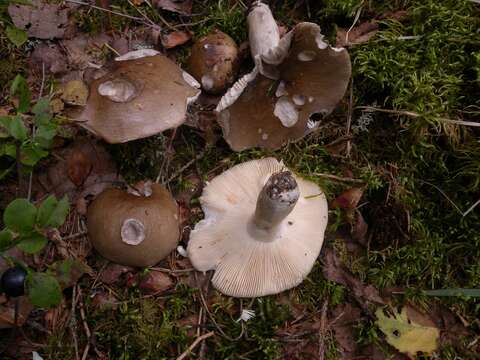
(276, 200)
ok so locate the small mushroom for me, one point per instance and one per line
(294, 77)
(134, 230)
(263, 229)
(214, 62)
(138, 97)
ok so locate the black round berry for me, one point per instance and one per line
(13, 281)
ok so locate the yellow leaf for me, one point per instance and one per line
(409, 331)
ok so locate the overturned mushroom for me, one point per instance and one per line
(214, 62)
(134, 230)
(138, 97)
(294, 77)
(263, 229)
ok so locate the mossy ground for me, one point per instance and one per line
(422, 174)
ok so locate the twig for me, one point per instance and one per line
(471, 208)
(197, 341)
(108, 10)
(185, 167)
(322, 331)
(355, 20)
(445, 195)
(74, 236)
(349, 114)
(73, 323)
(168, 271)
(416, 115)
(85, 325)
(339, 178)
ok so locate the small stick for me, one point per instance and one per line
(168, 271)
(185, 167)
(350, 111)
(107, 10)
(197, 341)
(74, 236)
(339, 178)
(416, 115)
(85, 326)
(322, 331)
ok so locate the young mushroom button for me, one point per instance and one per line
(263, 229)
(134, 230)
(142, 94)
(294, 77)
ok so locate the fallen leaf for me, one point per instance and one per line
(188, 323)
(175, 38)
(86, 50)
(105, 301)
(345, 317)
(50, 56)
(179, 6)
(41, 19)
(348, 199)
(79, 166)
(358, 35)
(7, 312)
(409, 331)
(334, 270)
(155, 282)
(112, 273)
(359, 229)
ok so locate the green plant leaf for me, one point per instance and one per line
(6, 240)
(43, 290)
(52, 213)
(31, 154)
(69, 271)
(32, 243)
(16, 36)
(14, 126)
(60, 213)
(20, 87)
(20, 215)
(45, 134)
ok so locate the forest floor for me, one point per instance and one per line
(398, 276)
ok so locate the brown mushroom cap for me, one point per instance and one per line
(116, 218)
(138, 98)
(214, 62)
(269, 113)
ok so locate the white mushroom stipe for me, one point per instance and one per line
(277, 54)
(285, 110)
(306, 55)
(132, 232)
(281, 90)
(190, 80)
(276, 200)
(299, 100)
(246, 315)
(137, 54)
(251, 261)
(263, 31)
(207, 82)
(118, 90)
(181, 250)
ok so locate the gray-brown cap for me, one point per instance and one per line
(270, 111)
(138, 97)
(134, 230)
(263, 229)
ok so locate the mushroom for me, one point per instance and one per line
(214, 62)
(134, 230)
(141, 95)
(263, 229)
(294, 77)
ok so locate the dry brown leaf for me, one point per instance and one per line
(175, 38)
(7, 312)
(334, 270)
(344, 318)
(358, 35)
(50, 56)
(79, 166)
(155, 282)
(359, 229)
(41, 20)
(179, 6)
(104, 301)
(112, 273)
(348, 199)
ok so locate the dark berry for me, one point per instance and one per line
(13, 281)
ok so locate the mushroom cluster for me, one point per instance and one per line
(264, 226)
(294, 77)
(263, 229)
